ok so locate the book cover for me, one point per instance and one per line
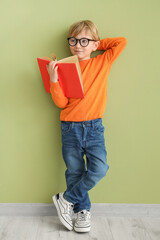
(69, 76)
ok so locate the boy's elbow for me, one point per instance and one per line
(61, 104)
(124, 41)
(59, 101)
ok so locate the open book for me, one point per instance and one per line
(69, 75)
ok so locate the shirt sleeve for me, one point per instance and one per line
(113, 47)
(57, 95)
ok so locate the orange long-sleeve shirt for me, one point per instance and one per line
(94, 76)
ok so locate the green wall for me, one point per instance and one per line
(31, 164)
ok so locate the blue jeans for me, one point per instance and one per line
(79, 139)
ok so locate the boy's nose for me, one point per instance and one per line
(78, 44)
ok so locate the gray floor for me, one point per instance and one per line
(102, 228)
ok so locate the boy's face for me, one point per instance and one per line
(83, 53)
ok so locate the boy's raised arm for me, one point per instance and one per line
(57, 95)
(113, 47)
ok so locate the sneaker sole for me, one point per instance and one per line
(80, 229)
(63, 221)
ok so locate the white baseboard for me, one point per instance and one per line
(103, 209)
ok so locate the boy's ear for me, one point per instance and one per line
(96, 44)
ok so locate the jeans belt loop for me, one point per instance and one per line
(92, 123)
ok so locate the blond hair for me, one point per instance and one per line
(87, 25)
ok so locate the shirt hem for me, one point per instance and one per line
(79, 120)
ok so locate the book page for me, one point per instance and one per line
(71, 59)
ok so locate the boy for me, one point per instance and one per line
(81, 122)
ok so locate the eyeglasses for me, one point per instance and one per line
(83, 41)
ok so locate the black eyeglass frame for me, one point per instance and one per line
(79, 40)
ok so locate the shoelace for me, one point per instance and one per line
(69, 209)
(83, 216)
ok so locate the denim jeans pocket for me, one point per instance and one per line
(65, 127)
(99, 128)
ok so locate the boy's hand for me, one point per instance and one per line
(52, 71)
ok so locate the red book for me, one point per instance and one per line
(69, 75)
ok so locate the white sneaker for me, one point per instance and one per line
(64, 210)
(83, 221)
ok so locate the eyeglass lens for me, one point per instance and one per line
(83, 42)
